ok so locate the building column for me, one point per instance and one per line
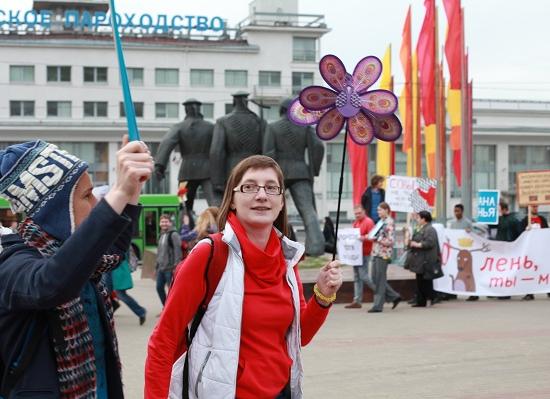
(502, 151)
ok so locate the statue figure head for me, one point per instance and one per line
(284, 105)
(240, 100)
(192, 108)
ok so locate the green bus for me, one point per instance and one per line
(147, 231)
(154, 205)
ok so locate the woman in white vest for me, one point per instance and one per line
(248, 344)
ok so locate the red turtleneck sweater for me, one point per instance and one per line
(264, 364)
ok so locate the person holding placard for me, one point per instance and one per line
(361, 272)
(382, 254)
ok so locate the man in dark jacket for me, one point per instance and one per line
(373, 196)
(58, 338)
(169, 254)
(509, 227)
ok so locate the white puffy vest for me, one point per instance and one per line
(214, 352)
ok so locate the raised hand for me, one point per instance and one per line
(329, 279)
(134, 168)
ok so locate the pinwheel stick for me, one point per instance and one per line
(340, 189)
(133, 132)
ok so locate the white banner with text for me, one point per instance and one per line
(473, 265)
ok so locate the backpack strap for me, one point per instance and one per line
(212, 276)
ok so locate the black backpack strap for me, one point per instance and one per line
(196, 322)
(15, 370)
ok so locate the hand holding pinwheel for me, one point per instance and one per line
(367, 114)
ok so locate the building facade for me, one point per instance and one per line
(62, 85)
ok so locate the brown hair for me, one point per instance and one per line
(165, 216)
(384, 205)
(252, 162)
(376, 179)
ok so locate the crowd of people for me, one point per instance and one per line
(423, 252)
(229, 284)
(238, 288)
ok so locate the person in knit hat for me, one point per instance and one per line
(58, 338)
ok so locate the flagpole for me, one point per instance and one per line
(440, 203)
(133, 132)
(340, 189)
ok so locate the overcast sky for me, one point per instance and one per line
(508, 40)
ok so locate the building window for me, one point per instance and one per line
(236, 78)
(58, 73)
(270, 79)
(207, 110)
(228, 108)
(303, 49)
(21, 108)
(59, 108)
(138, 108)
(96, 156)
(523, 158)
(135, 76)
(167, 76)
(21, 73)
(484, 171)
(272, 113)
(95, 74)
(301, 80)
(166, 110)
(202, 78)
(334, 163)
(95, 108)
(154, 185)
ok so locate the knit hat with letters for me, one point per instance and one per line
(39, 179)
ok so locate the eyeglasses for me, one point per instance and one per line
(249, 188)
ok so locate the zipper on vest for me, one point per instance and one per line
(199, 378)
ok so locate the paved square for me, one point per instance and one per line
(461, 350)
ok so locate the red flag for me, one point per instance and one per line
(359, 168)
(426, 67)
(453, 43)
(454, 50)
(426, 63)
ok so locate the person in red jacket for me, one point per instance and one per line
(268, 298)
(361, 272)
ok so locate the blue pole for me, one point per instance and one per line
(133, 132)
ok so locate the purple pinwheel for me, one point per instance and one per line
(368, 114)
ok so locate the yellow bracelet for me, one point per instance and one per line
(321, 297)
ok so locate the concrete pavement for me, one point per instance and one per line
(476, 350)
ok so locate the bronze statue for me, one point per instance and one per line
(237, 135)
(194, 136)
(287, 143)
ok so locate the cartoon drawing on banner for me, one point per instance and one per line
(464, 280)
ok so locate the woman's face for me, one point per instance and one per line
(382, 213)
(257, 209)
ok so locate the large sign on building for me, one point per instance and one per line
(100, 20)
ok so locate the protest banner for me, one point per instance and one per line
(411, 194)
(533, 187)
(473, 265)
(350, 248)
(487, 206)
